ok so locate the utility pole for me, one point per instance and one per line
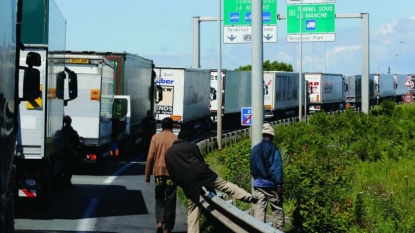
(257, 72)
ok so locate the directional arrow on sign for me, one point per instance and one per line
(232, 37)
(268, 37)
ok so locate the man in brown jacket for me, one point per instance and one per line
(165, 188)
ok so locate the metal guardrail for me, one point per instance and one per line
(233, 137)
(232, 217)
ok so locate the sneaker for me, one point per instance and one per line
(252, 199)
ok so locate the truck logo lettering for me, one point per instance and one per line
(328, 87)
(167, 74)
(167, 110)
(166, 89)
(164, 81)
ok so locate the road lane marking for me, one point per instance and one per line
(87, 223)
(111, 179)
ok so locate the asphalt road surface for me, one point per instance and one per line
(114, 199)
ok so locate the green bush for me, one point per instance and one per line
(342, 173)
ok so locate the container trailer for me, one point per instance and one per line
(91, 112)
(236, 94)
(354, 92)
(135, 92)
(281, 94)
(186, 97)
(384, 86)
(39, 144)
(327, 91)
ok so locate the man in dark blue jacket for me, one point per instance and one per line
(266, 169)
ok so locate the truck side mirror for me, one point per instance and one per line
(73, 85)
(33, 59)
(347, 87)
(60, 85)
(31, 77)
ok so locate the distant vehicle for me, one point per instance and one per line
(327, 91)
(354, 92)
(236, 94)
(135, 92)
(384, 86)
(281, 94)
(91, 112)
(186, 97)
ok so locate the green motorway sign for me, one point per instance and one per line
(238, 12)
(316, 18)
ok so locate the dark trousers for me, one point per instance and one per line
(166, 202)
(68, 169)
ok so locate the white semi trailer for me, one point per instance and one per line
(185, 97)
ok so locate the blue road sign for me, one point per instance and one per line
(246, 116)
(311, 25)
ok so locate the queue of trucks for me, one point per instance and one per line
(41, 83)
(107, 94)
(381, 87)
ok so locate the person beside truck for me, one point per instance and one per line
(166, 189)
(148, 124)
(72, 147)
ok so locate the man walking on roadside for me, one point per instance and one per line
(266, 169)
(188, 169)
(165, 192)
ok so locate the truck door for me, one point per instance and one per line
(122, 113)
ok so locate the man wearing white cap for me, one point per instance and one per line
(266, 169)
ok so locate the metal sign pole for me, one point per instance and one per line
(300, 106)
(219, 74)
